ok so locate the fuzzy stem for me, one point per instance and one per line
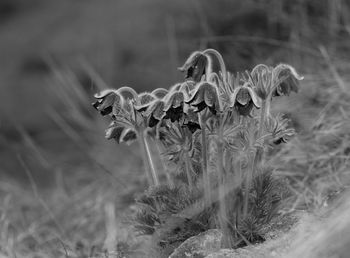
(220, 59)
(222, 184)
(166, 171)
(265, 110)
(206, 179)
(188, 169)
(256, 157)
(263, 116)
(247, 183)
(128, 90)
(144, 158)
(153, 172)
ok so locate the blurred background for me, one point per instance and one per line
(54, 55)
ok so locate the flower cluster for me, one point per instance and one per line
(213, 127)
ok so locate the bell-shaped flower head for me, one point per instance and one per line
(195, 66)
(144, 100)
(107, 100)
(154, 112)
(286, 80)
(204, 96)
(244, 99)
(174, 105)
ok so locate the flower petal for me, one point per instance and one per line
(256, 100)
(107, 101)
(146, 98)
(114, 132)
(104, 93)
(286, 68)
(128, 135)
(174, 100)
(243, 96)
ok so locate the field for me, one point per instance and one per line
(66, 191)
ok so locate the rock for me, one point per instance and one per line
(223, 253)
(199, 246)
(238, 253)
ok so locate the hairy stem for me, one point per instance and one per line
(220, 59)
(222, 185)
(166, 171)
(149, 160)
(263, 116)
(256, 157)
(247, 183)
(188, 169)
(145, 159)
(206, 179)
(265, 110)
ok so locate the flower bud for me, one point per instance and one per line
(195, 66)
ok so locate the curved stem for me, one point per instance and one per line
(221, 61)
(128, 90)
(209, 67)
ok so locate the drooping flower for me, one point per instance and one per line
(174, 104)
(286, 80)
(205, 96)
(107, 100)
(195, 66)
(154, 112)
(244, 99)
(144, 99)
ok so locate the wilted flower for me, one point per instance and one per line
(205, 96)
(107, 100)
(195, 66)
(244, 99)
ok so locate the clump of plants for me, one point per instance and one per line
(213, 132)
